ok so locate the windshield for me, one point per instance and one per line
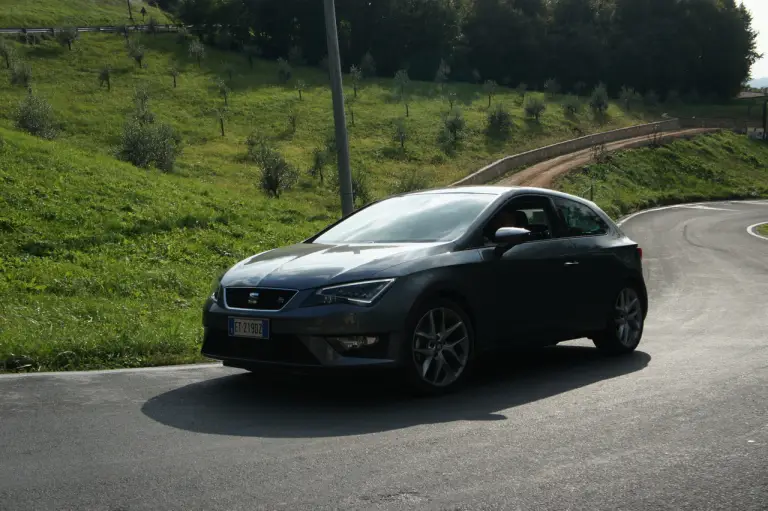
(419, 218)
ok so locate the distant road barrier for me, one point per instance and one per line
(104, 28)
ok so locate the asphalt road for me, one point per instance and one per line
(682, 424)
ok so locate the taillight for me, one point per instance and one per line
(640, 253)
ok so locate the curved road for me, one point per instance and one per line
(681, 425)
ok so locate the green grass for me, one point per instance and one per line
(762, 229)
(718, 166)
(39, 13)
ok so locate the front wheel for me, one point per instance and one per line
(440, 347)
(625, 325)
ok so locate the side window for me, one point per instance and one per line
(580, 220)
(532, 213)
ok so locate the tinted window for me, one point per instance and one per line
(412, 218)
(530, 213)
(579, 219)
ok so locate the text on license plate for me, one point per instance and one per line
(245, 327)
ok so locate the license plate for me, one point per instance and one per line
(245, 327)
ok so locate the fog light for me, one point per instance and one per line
(356, 342)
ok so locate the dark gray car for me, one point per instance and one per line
(426, 281)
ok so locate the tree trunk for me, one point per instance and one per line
(69, 45)
(109, 85)
(174, 82)
(355, 87)
(489, 101)
(250, 61)
(407, 112)
(352, 115)
(221, 124)
(130, 12)
(226, 100)
(300, 95)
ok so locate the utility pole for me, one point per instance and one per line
(765, 119)
(339, 116)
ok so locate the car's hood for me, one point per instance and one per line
(309, 265)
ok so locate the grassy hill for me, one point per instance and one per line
(719, 166)
(40, 13)
(105, 265)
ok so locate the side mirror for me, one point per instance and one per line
(508, 237)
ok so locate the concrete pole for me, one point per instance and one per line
(339, 116)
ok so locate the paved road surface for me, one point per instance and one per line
(681, 425)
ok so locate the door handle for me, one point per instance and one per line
(572, 263)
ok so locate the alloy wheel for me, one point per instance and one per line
(628, 317)
(441, 347)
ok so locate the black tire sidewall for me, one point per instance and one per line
(608, 340)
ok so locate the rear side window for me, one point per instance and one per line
(580, 220)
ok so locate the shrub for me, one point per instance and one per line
(476, 77)
(258, 146)
(452, 132)
(368, 65)
(105, 77)
(319, 161)
(183, 36)
(35, 115)
(552, 87)
(284, 70)
(21, 74)
(141, 100)
(146, 143)
(67, 36)
(579, 88)
(534, 107)
(7, 51)
(412, 181)
(571, 105)
(361, 192)
(196, 51)
(296, 56)
(402, 82)
(277, 175)
(443, 70)
(152, 25)
(598, 102)
(223, 89)
(451, 97)
(499, 122)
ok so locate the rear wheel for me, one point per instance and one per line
(625, 325)
(440, 349)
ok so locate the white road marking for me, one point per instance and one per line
(692, 205)
(752, 229)
(700, 206)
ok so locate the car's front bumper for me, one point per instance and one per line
(304, 336)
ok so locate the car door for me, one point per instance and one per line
(525, 284)
(590, 263)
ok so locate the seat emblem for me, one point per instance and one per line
(253, 298)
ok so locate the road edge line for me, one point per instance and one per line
(178, 367)
(752, 229)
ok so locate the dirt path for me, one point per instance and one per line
(543, 174)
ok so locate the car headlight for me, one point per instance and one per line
(357, 293)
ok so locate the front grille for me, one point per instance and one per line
(256, 298)
(279, 348)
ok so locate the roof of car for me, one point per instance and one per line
(494, 190)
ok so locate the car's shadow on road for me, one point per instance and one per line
(323, 406)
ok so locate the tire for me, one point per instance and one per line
(439, 348)
(626, 322)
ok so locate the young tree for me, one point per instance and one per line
(67, 36)
(451, 97)
(123, 31)
(357, 78)
(476, 77)
(534, 107)
(499, 122)
(552, 87)
(152, 26)
(221, 114)
(21, 74)
(368, 65)
(224, 90)
(230, 70)
(442, 73)
(300, 87)
(105, 77)
(284, 70)
(452, 133)
(252, 52)
(598, 102)
(7, 51)
(174, 71)
(197, 51)
(293, 120)
(521, 89)
(489, 88)
(350, 102)
(628, 97)
(319, 161)
(143, 13)
(402, 83)
(400, 134)
(571, 105)
(277, 175)
(136, 51)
